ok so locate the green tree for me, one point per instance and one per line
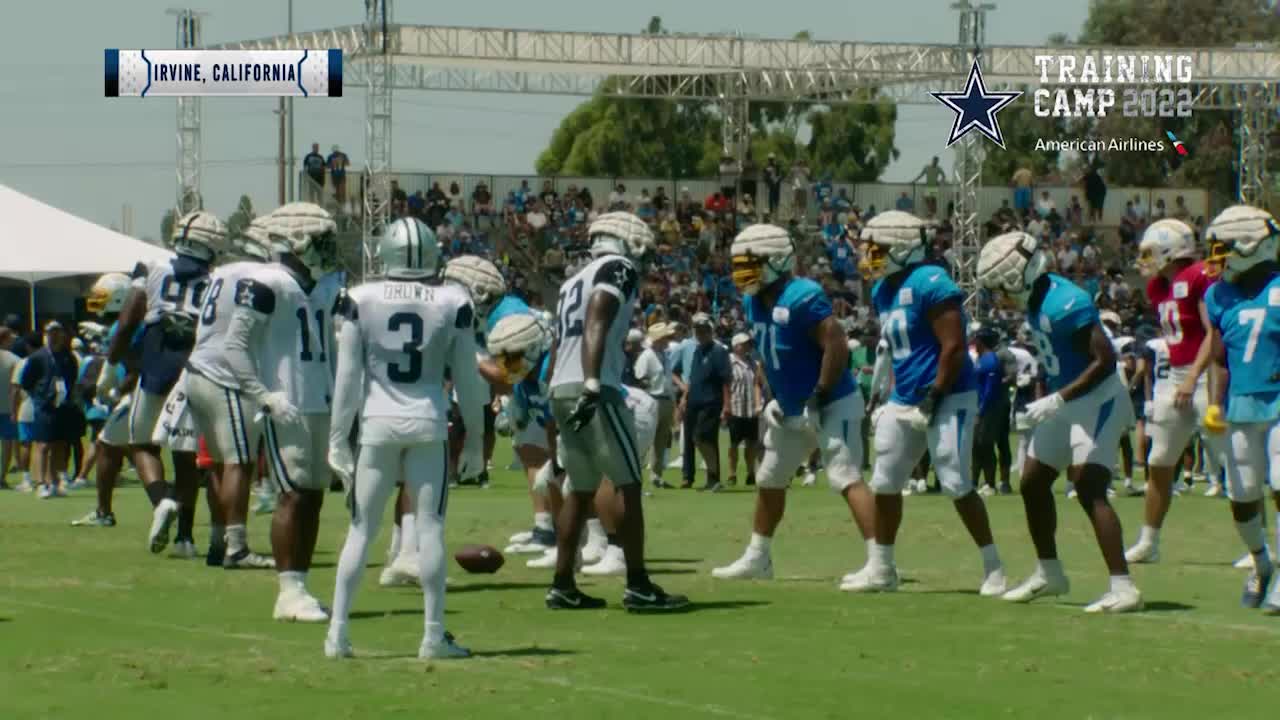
(240, 219)
(1021, 129)
(852, 143)
(1186, 23)
(166, 225)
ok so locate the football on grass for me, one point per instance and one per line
(479, 558)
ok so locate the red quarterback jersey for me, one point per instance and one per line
(1177, 304)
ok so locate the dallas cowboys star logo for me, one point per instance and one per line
(976, 108)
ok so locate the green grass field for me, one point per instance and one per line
(91, 625)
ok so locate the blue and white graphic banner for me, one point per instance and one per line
(170, 73)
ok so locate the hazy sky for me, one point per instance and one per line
(67, 145)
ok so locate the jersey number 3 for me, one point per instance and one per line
(413, 372)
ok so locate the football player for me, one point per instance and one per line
(105, 299)
(398, 336)
(597, 436)
(1077, 426)
(277, 347)
(815, 401)
(1244, 317)
(166, 302)
(224, 417)
(1176, 289)
(934, 402)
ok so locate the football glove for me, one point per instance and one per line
(1044, 408)
(775, 417)
(280, 409)
(1213, 420)
(585, 409)
(915, 418)
(343, 463)
(107, 379)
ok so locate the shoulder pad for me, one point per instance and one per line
(619, 273)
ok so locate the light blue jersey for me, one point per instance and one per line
(783, 337)
(508, 305)
(904, 323)
(1065, 310)
(1250, 328)
(530, 396)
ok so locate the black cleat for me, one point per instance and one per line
(652, 599)
(215, 556)
(572, 599)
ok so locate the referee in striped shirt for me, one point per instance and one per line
(746, 402)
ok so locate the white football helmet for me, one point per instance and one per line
(200, 235)
(306, 231)
(409, 249)
(1162, 243)
(480, 277)
(1010, 264)
(892, 240)
(91, 331)
(108, 294)
(516, 343)
(1239, 238)
(621, 233)
(760, 255)
(254, 242)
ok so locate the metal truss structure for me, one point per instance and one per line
(190, 143)
(732, 71)
(376, 49)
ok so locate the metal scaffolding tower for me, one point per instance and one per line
(190, 146)
(377, 50)
(1257, 120)
(729, 70)
(970, 151)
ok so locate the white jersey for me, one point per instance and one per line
(174, 286)
(1026, 363)
(612, 274)
(209, 357)
(409, 333)
(293, 334)
(1161, 365)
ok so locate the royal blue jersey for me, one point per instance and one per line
(783, 337)
(904, 322)
(1065, 310)
(530, 395)
(1250, 328)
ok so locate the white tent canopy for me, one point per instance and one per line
(39, 242)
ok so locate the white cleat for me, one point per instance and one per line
(184, 550)
(521, 537)
(338, 647)
(1038, 586)
(1117, 601)
(922, 486)
(45, 492)
(528, 548)
(1244, 563)
(595, 550)
(871, 580)
(747, 567)
(907, 491)
(994, 584)
(544, 561)
(161, 523)
(1181, 488)
(613, 563)
(1144, 552)
(443, 649)
(1215, 490)
(299, 606)
(402, 571)
(810, 479)
(986, 491)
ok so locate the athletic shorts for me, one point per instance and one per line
(26, 433)
(1253, 460)
(666, 417)
(176, 428)
(144, 414)
(1087, 430)
(744, 429)
(69, 424)
(44, 427)
(703, 423)
(787, 447)
(949, 440)
(8, 428)
(605, 447)
(1171, 428)
(533, 435)
(298, 453)
(228, 422)
(116, 431)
